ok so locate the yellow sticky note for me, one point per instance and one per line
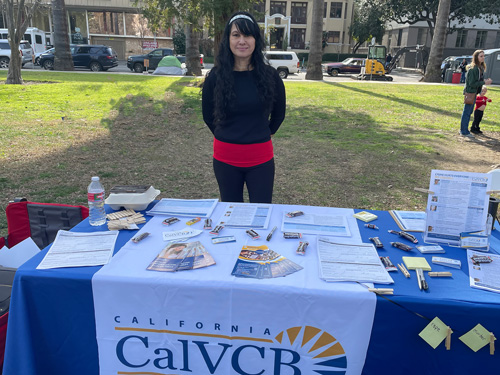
(365, 216)
(434, 333)
(416, 262)
(476, 338)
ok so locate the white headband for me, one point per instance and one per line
(240, 16)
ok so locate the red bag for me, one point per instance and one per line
(40, 221)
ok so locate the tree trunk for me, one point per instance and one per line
(433, 71)
(62, 55)
(314, 70)
(17, 16)
(192, 51)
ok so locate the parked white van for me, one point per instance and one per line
(285, 62)
(36, 37)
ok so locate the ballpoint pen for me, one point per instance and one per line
(421, 279)
(268, 238)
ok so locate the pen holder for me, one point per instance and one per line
(493, 209)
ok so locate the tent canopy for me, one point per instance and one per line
(169, 61)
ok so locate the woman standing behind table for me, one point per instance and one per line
(474, 82)
(243, 102)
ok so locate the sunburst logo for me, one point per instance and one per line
(319, 351)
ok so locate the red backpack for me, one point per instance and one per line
(40, 221)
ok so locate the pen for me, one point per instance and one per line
(269, 236)
(404, 270)
(421, 279)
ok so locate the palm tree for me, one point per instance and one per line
(314, 70)
(433, 71)
(62, 54)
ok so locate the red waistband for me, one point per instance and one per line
(243, 155)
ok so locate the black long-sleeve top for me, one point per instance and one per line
(246, 121)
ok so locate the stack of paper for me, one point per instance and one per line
(260, 262)
(180, 256)
(184, 207)
(350, 262)
(453, 263)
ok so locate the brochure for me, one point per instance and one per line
(180, 256)
(184, 207)
(260, 262)
(242, 215)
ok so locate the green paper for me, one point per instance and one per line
(476, 338)
(434, 333)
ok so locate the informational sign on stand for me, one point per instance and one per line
(457, 202)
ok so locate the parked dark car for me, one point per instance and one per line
(351, 65)
(136, 63)
(93, 57)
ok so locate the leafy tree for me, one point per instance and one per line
(179, 40)
(433, 71)
(368, 23)
(314, 70)
(62, 54)
(413, 11)
(18, 15)
(161, 13)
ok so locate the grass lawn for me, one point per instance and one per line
(347, 144)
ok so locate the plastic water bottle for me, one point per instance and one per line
(95, 194)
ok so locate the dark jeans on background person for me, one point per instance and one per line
(462, 77)
(259, 180)
(478, 116)
(464, 122)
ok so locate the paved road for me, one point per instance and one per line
(399, 76)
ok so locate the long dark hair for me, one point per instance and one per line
(224, 95)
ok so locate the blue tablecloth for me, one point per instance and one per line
(52, 326)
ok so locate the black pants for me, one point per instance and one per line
(478, 116)
(259, 180)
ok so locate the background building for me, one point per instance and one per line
(477, 34)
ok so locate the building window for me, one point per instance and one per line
(480, 39)
(461, 38)
(78, 27)
(333, 37)
(324, 9)
(298, 38)
(109, 23)
(497, 40)
(400, 37)
(278, 7)
(335, 10)
(299, 13)
(422, 36)
(260, 11)
(345, 11)
(137, 25)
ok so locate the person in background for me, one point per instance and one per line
(243, 104)
(481, 101)
(463, 69)
(388, 60)
(474, 81)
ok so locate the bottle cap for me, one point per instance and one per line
(95, 178)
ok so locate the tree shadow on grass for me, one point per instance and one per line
(346, 159)
(149, 141)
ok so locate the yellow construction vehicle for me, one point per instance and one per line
(374, 68)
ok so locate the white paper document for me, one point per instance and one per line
(484, 275)
(184, 207)
(458, 203)
(241, 215)
(409, 221)
(74, 249)
(322, 224)
(348, 262)
(17, 255)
